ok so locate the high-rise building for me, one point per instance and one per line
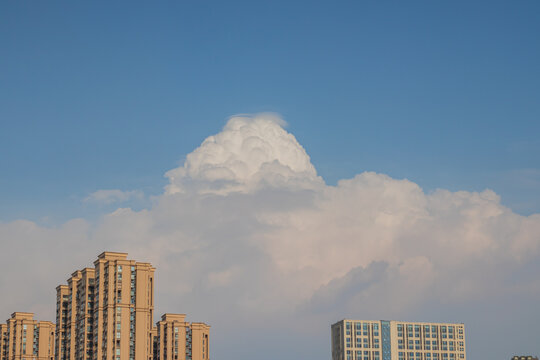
(23, 338)
(106, 313)
(74, 317)
(397, 340)
(177, 339)
(3, 341)
(524, 357)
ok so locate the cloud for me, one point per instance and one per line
(247, 237)
(250, 153)
(113, 196)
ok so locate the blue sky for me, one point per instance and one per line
(111, 95)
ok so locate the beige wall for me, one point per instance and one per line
(200, 347)
(24, 338)
(3, 341)
(177, 339)
(62, 301)
(105, 312)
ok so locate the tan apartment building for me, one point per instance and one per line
(23, 338)
(397, 340)
(3, 341)
(106, 312)
(74, 317)
(176, 339)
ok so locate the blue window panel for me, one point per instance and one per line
(386, 341)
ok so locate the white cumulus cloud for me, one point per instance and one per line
(247, 237)
(251, 152)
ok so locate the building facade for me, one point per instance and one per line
(397, 340)
(176, 339)
(106, 312)
(3, 341)
(74, 317)
(23, 338)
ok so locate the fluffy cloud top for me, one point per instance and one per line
(250, 153)
(247, 236)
